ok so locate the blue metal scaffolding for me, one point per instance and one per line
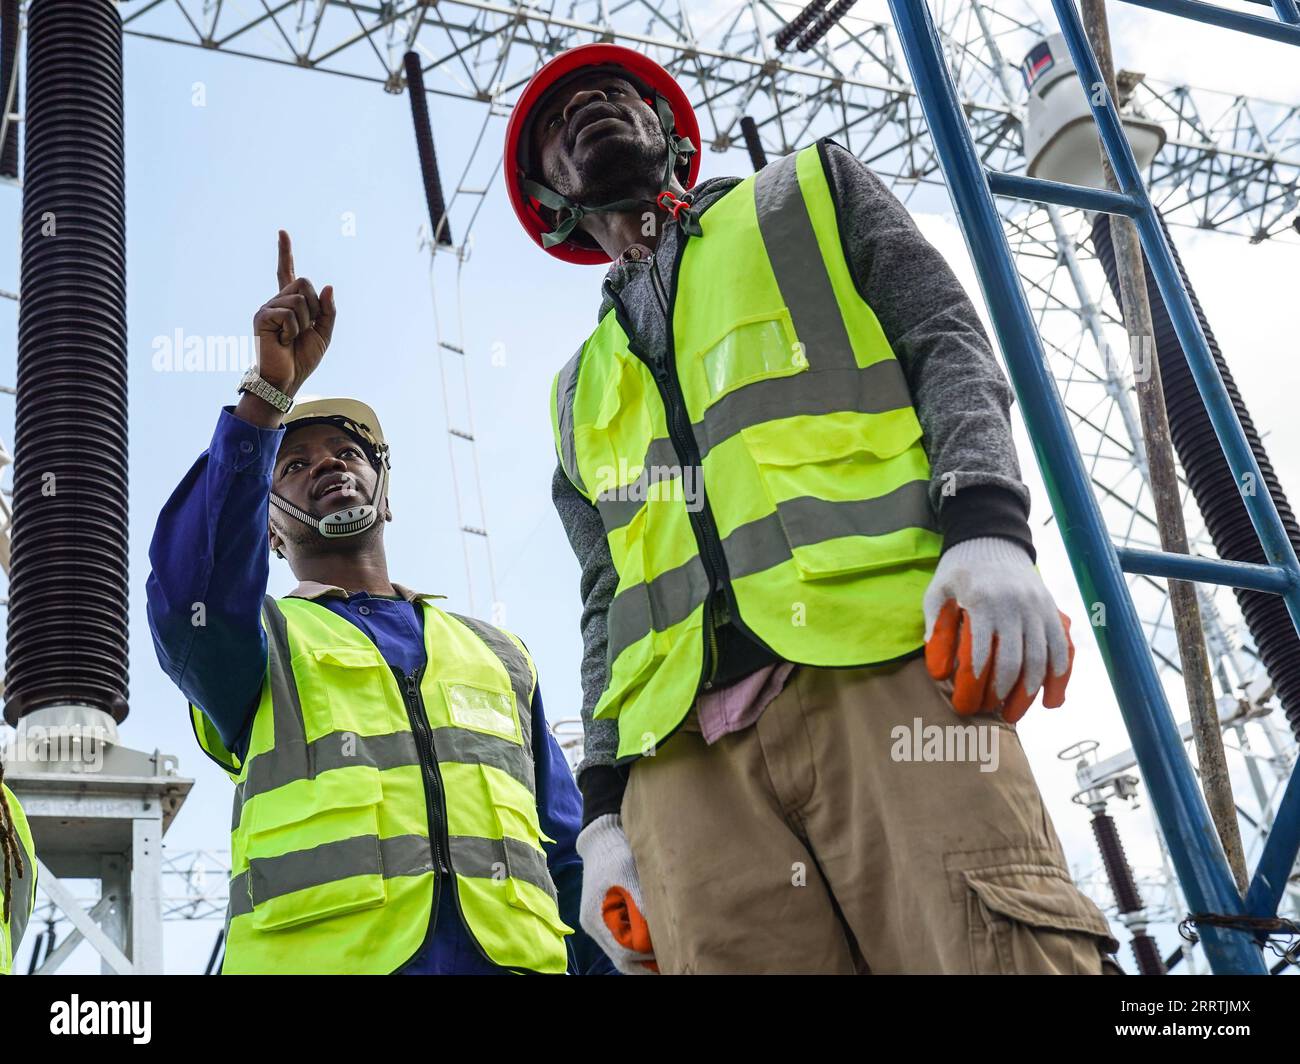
(1099, 566)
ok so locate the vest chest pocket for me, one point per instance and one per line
(760, 347)
(483, 709)
(348, 689)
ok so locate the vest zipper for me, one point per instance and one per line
(688, 453)
(434, 805)
(435, 799)
(718, 618)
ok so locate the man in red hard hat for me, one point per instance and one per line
(640, 152)
(811, 616)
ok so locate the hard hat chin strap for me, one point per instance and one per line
(570, 213)
(350, 521)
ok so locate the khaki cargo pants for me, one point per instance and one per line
(829, 838)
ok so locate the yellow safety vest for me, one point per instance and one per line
(24, 886)
(803, 516)
(362, 793)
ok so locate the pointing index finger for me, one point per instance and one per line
(284, 268)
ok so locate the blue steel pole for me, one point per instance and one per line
(1204, 570)
(1284, 840)
(1287, 11)
(1193, 842)
(1214, 15)
(1218, 404)
(1275, 863)
(1036, 188)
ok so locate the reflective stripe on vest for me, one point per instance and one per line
(23, 885)
(332, 865)
(812, 464)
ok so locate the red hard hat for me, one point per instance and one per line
(643, 70)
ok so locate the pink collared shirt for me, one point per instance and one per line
(739, 705)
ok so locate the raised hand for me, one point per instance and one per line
(294, 327)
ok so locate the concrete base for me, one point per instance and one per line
(101, 814)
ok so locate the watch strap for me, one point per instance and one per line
(266, 391)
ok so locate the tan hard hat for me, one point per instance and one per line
(355, 416)
(359, 422)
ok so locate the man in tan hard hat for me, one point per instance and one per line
(400, 804)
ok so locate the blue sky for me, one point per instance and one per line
(208, 187)
(274, 147)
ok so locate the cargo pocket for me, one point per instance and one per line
(635, 613)
(849, 489)
(514, 808)
(318, 856)
(622, 426)
(524, 894)
(628, 674)
(528, 879)
(1026, 917)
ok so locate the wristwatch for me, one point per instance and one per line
(253, 382)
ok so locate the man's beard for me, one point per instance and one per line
(617, 168)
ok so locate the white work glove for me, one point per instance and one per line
(987, 601)
(611, 897)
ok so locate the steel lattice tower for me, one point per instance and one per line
(1230, 163)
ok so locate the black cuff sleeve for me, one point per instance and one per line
(602, 789)
(985, 510)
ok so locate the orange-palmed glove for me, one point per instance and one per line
(612, 909)
(622, 916)
(992, 627)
